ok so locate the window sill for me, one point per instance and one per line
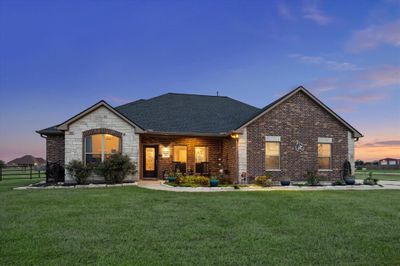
(273, 170)
(325, 170)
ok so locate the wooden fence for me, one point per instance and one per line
(23, 172)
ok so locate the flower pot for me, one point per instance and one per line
(171, 179)
(285, 182)
(214, 183)
(349, 181)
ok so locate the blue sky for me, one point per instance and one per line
(59, 57)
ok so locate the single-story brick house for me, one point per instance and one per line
(209, 134)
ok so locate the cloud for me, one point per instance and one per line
(329, 64)
(369, 98)
(363, 79)
(284, 11)
(312, 12)
(384, 143)
(374, 36)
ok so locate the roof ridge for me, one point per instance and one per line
(195, 94)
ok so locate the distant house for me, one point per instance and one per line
(203, 134)
(27, 160)
(389, 162)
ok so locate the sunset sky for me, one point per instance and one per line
(59, 57)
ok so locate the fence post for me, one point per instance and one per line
(39, 173)
(30, 172)
(1, 173)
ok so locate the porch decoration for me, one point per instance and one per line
(347, 177)
(171, 177)
(214, 182)
(285, 181)
(299, 147)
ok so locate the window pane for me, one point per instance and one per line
(111, 144)
(201, 154)
(324, 150)
(324, 163)
(180, 154)
(150, 159)
(272, 162)
(272, 148)
(272, 154)
(324, 156)
(93, 158)
(88, 141)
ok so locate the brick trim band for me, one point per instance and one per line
(101, 131)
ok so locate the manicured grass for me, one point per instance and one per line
(380, 174)
(130, 225)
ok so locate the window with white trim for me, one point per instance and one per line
(272, 155)
(324, 156)
(98, 147)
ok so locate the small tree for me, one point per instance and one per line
(2, 164)
(79, 171)
(116, 168)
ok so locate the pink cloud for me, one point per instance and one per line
(374, 36)
(366, 79)
(361, 98)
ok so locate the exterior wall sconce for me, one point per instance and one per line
(234, 135)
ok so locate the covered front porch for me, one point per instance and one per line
(191, 155)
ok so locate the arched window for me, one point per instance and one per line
(98, 147)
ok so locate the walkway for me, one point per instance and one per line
(159, 185)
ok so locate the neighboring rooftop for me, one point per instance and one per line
(27, 160)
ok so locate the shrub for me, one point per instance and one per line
(339, 182)
(2, 164)
(116, 168)
(78, 171)
(264, 181)
(370, 180)
(312, 178)
(191, 180)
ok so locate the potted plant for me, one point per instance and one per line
(350, 180)
(171, 177)
(214, 181)
(347, 177)
(285, 181)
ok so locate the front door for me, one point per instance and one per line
(150, 159)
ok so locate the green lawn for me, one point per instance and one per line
(130, 225)
(380, 174)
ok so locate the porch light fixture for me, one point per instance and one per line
(234, 135)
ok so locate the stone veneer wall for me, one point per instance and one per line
(301, 119)
(100, 118)
(242, 153)
(351, 145)
(55, 149)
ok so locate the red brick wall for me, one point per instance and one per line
(297, 118)
(229, 156)
(215, 148)
(55, 149)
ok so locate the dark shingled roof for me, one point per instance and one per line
(50, 131)
(188, 113)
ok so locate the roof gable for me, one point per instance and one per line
(274, 104)
(102, 103)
